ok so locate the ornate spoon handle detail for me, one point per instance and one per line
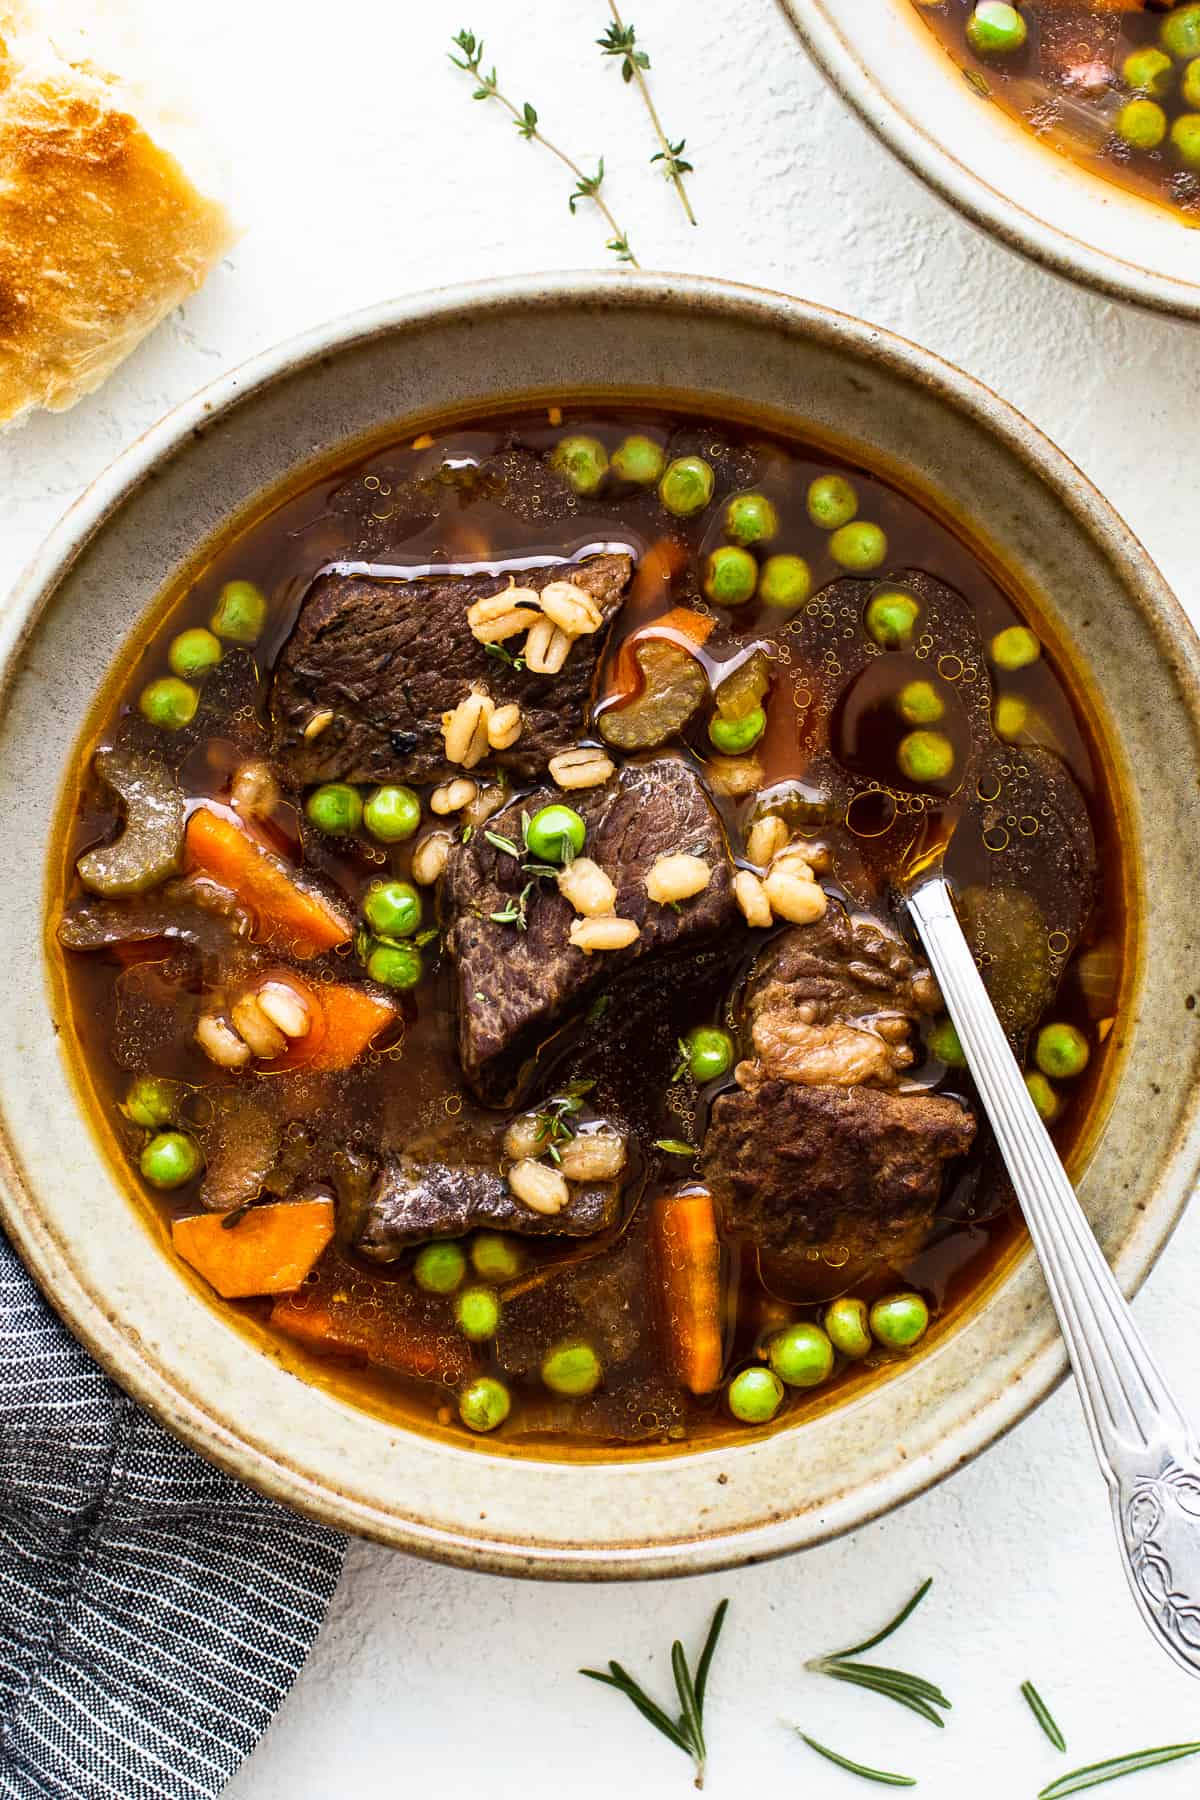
(1147, 1452)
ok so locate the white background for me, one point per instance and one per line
(362, 169)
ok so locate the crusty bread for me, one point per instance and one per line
(102, 231)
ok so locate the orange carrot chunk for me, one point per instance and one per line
(345, 1022)
(335, 1321)
(269, 1251)
(305, 919)
(689, 1266)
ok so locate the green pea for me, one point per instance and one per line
(687, 486)
(755, 1396)
(171, 1160)
(392, 814)
(638, 459)
(891, 616)
(151, 1101)
(832, 502)
(730, 576)
(484, 1404)
(1149, 69)
(583, 460)
(1185, 136)
(801, 1355)
(1142, 124)
(169, 703)
(899, 1321)
(1061, 1051)
(925, 756)
(943, 1042)
(785, 581)
(751, 519)
(572, 1369)
(1180, 33)
(858, 546)
(1191, 83)
(919, 703)
(732, 736)
(241, 613)
(1015, 648)
(555, 834)
(478, 1313)
(496, 1258)
(996, 29)
(336, 808)
(395, 965)
(709, 1053)
(1043, 1096)
(440, 1267)
(193, 653)
(392, 909)
(1010, 716)
(846, 1323)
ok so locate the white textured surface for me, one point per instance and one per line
(361, 170)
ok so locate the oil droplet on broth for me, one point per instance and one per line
(871, 814)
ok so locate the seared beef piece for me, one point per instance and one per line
(851, 1172)
(241, 1147)
(834, 1003)
(388, 658)
(410, 1202)
(516, 988)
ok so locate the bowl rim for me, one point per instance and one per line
(969, 193)
(48, 1258)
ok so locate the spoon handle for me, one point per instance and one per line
(1144, 1446)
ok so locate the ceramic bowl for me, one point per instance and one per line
(883, 59)
(879, 400)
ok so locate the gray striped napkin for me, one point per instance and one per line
(153, 1612)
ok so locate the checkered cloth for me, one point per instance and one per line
(153, 1612)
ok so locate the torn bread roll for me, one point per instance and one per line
(102, 228)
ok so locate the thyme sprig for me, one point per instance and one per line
(552, 1121)
(504, 656)
(621, 40)
(881, 1776)
(912, 1691)
(1043, 1715)
(587, 187)
(1112, 1770)
(686, 1731)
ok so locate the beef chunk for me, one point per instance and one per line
(411, 1201)
(515, 988)
(834, 1003)
(852, 1172)
(389, 657)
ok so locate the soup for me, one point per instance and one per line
(480, 931)
(1113, 84)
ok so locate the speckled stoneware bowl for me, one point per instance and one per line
(879, 399)
(882, 57)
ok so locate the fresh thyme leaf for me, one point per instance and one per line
(498, 650)
(687, 1731)
(684, 1063)
(510, 915)
(468, 832)
(427, 936)
(598, 1008)
(979, 82)
(853, 1768)
(555, 1153)
(1042, 1714)
(575, 1090)
(540, 869)
(503, 844)
(620, 40)
(1097, 1773)
(525, 119)
(881, 1637)
(675, 1146)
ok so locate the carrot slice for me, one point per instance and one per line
(264, 882)
(269, 1251)
(334, 1319)
(689, 1266)
(345, 1022)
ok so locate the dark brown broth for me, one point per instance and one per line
(1065, 85)
(373, 512)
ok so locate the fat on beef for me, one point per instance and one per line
(388, 657)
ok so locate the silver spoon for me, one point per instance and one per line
(1144, 1446)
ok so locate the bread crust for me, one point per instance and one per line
(101, 232)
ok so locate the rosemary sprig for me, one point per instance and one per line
(1042, 1714)
(911, 1691)
(686, 1731)
(621, 40)
(853, 1768)
(587, 187)
(1097, 1773)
